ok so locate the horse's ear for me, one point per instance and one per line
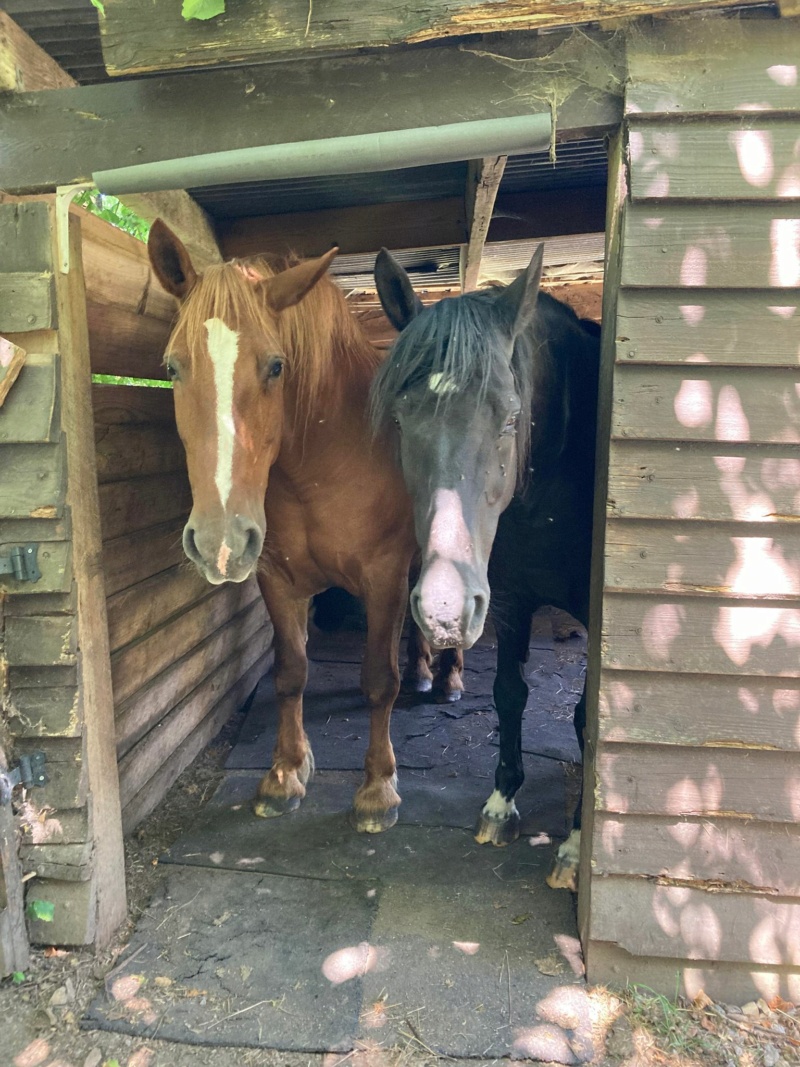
(170, 260)
(518, 300)
(290, 286)
(395, 290)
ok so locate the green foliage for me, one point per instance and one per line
(202, 9)
(99, 5)
(42, 910)
(110, 209)
(18, 977)
(114, 379)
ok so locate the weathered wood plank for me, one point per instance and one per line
(280, 104)
(55, 563)
(725, 559)
(749, 328)
(139, 503)
(650, 707)
(23, 64)
(696, 782)
(127, 343)
(65, 863)
(135, 664)
(695, 924)
(42, 712)
(33, 481)
(30, 414)
(26, 302)
(134, 557)
(13, 935)
(82, 496)
(25, 237)
(608, 964)
(136, 33)
(57, 828)
(34, 677)
(755, 405)
(147, 706)
(703, 634)
(483, 181)
(690, 67)
(75, 912)
(16, 531)
(67, 781)
(710, 246)
(746, 483)
(723, 853)
(124, 404)
(41, 641)
(731, 159)
(138, 609)
(143, 802)
(135, 451)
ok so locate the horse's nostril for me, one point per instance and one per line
(252, 548)
(190, 544)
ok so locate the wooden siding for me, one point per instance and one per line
(696, 812)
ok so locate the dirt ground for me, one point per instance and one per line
(40, 1013)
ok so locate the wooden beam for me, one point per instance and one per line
(13, 934)
(148, 35)
(483, 181)
(24, 66)
(788, 8)
(90, 128)
(548, 213)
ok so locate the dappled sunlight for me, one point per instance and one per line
(783, 74)
(754, 153)
(776, 938)
(694, 403)
(693, 314)
(660, 627)
(694, 267)
(564, 1034)
(686, 505)
(731, 424)
(688, 797)
(354, 962)
(784, 270)
(33, 1054)
(469, 948)
(739, 628)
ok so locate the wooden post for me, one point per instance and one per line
(82, 498)
(483, 181)
(13, 935)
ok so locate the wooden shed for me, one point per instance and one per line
(121, 672)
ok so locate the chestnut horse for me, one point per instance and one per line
(271, 377)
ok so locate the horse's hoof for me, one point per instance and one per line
(417, 685)
(448, 696)
(272, 807)
(564, 874)
(498, 832)
(374, 822)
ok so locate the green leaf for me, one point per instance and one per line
(202, 9)
(99, 5)
(18, 977)
(42, 910)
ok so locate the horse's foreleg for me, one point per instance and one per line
(283, 788)
(377, 800)
(417, 677)
(564, 874)
(448, 682)
(499, 820)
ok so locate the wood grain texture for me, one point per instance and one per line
(26, 302)
(136, 610)
(656, 707)
(25, 236)
(138, 503)
(697, 782)
(483, 181)
(693, 924)
(65, 863)
(23, 64)
(34, 479)
(707, 635)
(745, 483)
(135, 557)
(123, 404)
(742, 159)
(46, 712)
(55, 564)
(757, 405)
(41, 641)
(724, 853)
(67, 780)
(30, 414)
(14, 954)
(137, 451)
(710, 246)
(140, 36)
(717, 327)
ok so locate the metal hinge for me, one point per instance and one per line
(30, 772)
(22, 562)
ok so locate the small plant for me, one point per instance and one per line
(202, 9)
(110, 209)
(18, 977)
(42, 910)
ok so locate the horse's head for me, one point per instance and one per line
(228, 366)
(461, 408)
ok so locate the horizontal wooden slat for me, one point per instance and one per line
(65, 762)
(133, 666)
(33, 481)
(154, 790)
(135, 557)
(754, 405)
(718, 159)
(697, 782)
(41, 640)
(757, 483)
(735, 559)
(716, 66)
(734, 983)
(703, 634)
(651, 707)
(128, 451)
(148, 705)
(126, 343)
(142, 607)
(734, 853)
(55, 564)
(693, 924)
(143, 502)
(25, 237)
(26, 302)
(702, 246)
(757, 328)
(142, 761)
(44, 712)
(30, 412)
(114, 404)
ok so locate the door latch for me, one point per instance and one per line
(29, 772)
(22, 562)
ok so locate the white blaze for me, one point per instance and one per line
(223, 348)
(441, 383)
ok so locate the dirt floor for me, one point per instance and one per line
(41, 1011)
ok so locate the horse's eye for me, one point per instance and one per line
(510, 426)
(274, 369)
(172, 370)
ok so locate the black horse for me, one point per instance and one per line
(494, 397)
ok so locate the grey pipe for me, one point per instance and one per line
(357, 154)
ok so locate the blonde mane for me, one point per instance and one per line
(320, 337)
